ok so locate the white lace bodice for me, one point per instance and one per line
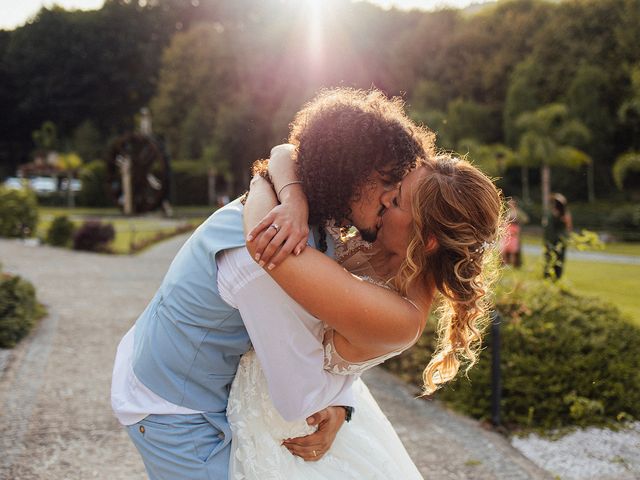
(334, 363)
(354, 254)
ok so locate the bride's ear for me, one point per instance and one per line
(432, 244)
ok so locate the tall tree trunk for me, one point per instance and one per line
(211, 186)
(526, 194)
(124, 163)
(546, 189)
(591, 189)
(70, 194)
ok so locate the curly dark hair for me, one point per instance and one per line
(342, 136)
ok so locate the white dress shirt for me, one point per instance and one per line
(286, 338)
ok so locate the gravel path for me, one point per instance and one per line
(587, 453)
(55, 416)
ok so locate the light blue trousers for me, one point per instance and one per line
(175, 447)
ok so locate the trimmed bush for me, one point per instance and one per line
(625, 222)
(94, 185)
(618, 218)
(18, 212)
(60, 231)
(190, 183)
(19, 309)
(566, 360)
(93, 236)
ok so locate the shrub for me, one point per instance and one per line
(60, 231)
(18, 212)
(93, 236)
(625, 222)
(618, 218)
(19, 309)
(190, 183)
(566, 360)
(94, 185)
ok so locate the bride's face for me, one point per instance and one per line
(397, 220)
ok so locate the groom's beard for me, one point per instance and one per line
(369, 234)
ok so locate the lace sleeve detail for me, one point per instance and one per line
(336, 364)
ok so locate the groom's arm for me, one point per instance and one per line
(286, 338)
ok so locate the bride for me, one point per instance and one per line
(436, 237)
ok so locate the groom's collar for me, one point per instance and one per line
(314, 240)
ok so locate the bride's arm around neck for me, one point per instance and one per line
(368, 316)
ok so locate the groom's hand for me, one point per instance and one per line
(313, 447)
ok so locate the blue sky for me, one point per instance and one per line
(15, 12)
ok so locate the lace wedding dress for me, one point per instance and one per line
(365, 448)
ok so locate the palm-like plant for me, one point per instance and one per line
(493, 159)
(550, 138)
(626, 165)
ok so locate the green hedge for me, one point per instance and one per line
(60, 231)
(189, 183)
(620, 219)
(19, 309)
(94, 185)
(566, 360)
(18, 212)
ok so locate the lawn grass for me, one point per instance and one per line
(129, 230)
(615, 283)
(47, 212)
(178, 212)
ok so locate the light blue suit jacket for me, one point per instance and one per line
(188, 341)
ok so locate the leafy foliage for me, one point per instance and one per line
(566, 360)
(626, 165)
(189, 183)
(93, 236)
(625, 222)
(60, 231)
(93, 176)
(19, 309)
(226, 77)
(18, 212)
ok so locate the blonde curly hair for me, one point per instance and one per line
(462, 210)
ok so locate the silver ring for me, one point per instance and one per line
(277, 227)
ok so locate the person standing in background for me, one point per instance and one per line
(511, 246)
(557, 227)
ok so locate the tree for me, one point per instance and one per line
(629, 111)
(467, 119)
(69, 163)
(627, 167)
(46, 137)
(547, 139)
(87, 141)
(492, 159)
(588, 99)
(198, 73)
(523, 95)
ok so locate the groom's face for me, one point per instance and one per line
(367, 208)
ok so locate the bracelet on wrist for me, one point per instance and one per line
(286, 185)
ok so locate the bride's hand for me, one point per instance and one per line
(313, 447)
(284, 230)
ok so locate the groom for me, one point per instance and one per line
(174, 368)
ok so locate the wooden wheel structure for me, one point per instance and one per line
(137, 173)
